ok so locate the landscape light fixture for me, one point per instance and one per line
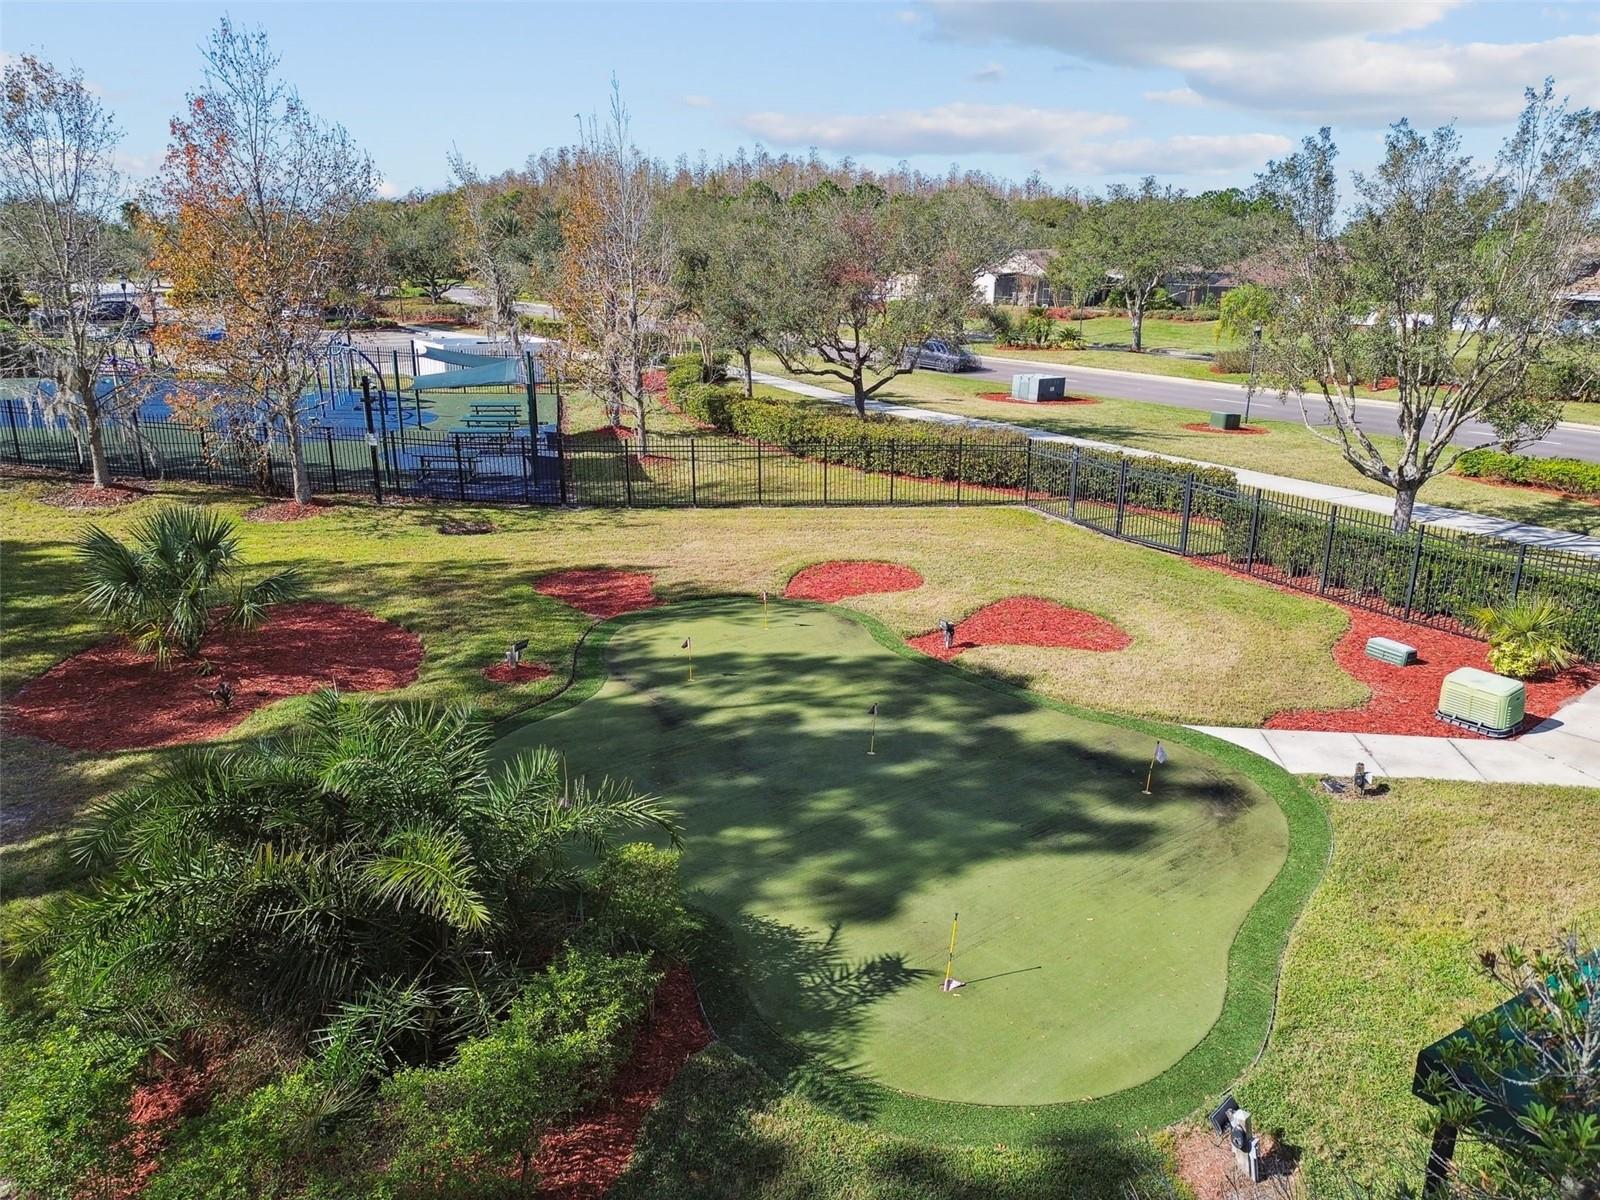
(948, 628)
(1250, 383)
(514, 655)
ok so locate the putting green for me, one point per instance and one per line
(1096, 921)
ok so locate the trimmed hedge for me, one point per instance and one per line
(1572, 476)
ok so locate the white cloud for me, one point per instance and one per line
(388, 189)
(1064, 139)
(1319, 61)
(908, 16)
(993, 73)
(694, 100)
(1184, 96)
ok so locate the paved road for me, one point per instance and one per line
(1565, 441)
(466, 294)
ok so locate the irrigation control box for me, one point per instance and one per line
(1477, 700)
(1225, 420)
(1038, 387)
(1387, 650)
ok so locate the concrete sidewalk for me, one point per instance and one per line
(1563, 749)
(1445, 518)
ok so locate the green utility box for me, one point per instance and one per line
(1222, 420)
(1387, 650)
(1477, 700)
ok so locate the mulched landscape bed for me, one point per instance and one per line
(582, 1161)
(600, 592)
(523, 672)
(286, 510)
(1008, 398)
(839, 579)
(1026, 621)
(81, 496)
(110, 698)
(173, 1087)
(1247, 430)
(1404, 698)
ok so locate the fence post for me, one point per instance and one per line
(1027, 470)
(694, 475)
(1072, 486)
(760, 498)
(205, 453)
(138, 443)
(825, 444)
(11, 419)
(627, 472)
(372, 438)
(1516, 574)
(960, 466)
(333, 467)
(1122, 494)
(461, 469)
(1255, 526)
(530, 457)
(1416, 566)
(1327, 548)
(894, 465)
(1183, 520)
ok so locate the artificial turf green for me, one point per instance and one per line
(1098, 923)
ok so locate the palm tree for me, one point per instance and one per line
(367, 879)
(167, 591)
(1527, 637)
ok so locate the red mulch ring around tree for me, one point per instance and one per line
(87, 496)
(836, 580)
(600, 592)
(286, 510)
(582, 1161)
(1026, 621)
(1203, 427)
(522, 672)
(1404, 698)
(110, 698)
(1008, 398)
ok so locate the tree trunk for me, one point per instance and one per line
(749, 381)
(861, 392)
(83, 384)
(1136, 319)
(297, 460)
(1405, 499)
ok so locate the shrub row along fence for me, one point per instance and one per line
(1426, 576)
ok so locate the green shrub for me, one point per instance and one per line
(1231, 362)
(461, 1128)
(549, 327)
(637, 901)
(1572, 476)
(709, 403)
(1527, 637)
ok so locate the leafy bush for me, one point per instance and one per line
(1231, 362)
(1527, 637)
(1569, 475)
(709, 403)
(637, 900)
(463, 1126)
(546, 327)
(163, 592)
(366, 880)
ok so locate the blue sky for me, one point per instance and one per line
(1088, 93)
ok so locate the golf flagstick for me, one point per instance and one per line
(1160, 756)
(872, 738)
(763, 608)
(688, 648)
(950, 984)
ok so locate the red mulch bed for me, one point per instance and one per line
(171, 1090)
(1008, 398)
(1026, 621)
(523, 672)
(1203, 427)
(1536, 488)
(87, 496)
(614, 433)
(836, 580)
(110, 698)
(600, 592)
(655, 382)
(286, 510)
(582, 1161)
(1205, 1163)
(1404, 698)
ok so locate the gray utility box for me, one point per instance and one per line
(1396, 654)
(1038, 387)
(1222, 420)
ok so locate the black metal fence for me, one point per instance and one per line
(1426, 576)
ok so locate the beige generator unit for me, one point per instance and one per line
(1038, 387)
(1477, 700)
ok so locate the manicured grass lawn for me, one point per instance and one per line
(1383, 961)
(1289, 449)
(1098, 919)
(1158, 334)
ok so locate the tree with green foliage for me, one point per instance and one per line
(369, 881)
(171, 587)
(422, 243)
(1444, 274)
(863, 280)
(722, 271)
(1243, 310)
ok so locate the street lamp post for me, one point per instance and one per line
(1250, 383)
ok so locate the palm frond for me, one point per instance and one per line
(431, 870)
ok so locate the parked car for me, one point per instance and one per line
(936, 354)
(112, 310)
